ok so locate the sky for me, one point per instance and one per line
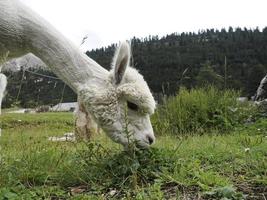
(109, 21)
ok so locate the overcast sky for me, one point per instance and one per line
(109, 21)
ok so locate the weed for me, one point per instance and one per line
(225, 193)
(201, 110)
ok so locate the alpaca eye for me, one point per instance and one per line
(132, 106)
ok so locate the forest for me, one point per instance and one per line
(233, 58)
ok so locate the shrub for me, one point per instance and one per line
(199, 110)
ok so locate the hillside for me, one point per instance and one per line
(233, 58)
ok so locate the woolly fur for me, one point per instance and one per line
(107, 103)
(3, 83)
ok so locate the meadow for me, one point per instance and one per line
(208, 146)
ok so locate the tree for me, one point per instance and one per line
(207, 76)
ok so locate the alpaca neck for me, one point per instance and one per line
(38, 37)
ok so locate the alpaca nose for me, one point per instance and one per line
(150, 139)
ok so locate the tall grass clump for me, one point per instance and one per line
(201, 110)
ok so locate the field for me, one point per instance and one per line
(207, 166)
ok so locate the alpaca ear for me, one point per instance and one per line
(121, 61)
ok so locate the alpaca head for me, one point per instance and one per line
(135, 101)
(124, 102)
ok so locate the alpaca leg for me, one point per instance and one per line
(80, 126)
(92, 126)
(85, 126)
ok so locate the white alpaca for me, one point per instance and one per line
(3, 83)
(104, 94)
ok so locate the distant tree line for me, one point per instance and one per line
(233, 58)
(31, 90)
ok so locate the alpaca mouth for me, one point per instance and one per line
(127, 142)
(138, 144)
(142, 145)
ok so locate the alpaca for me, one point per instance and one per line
(3, 83)
(261, 93)
(106, 95)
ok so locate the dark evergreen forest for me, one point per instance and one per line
(233, 58)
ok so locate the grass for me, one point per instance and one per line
(52, 120)
(201, 110)
(207, 166)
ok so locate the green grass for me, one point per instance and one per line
(210, 166)
(201, 110)
(58, 119)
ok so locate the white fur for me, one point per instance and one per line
(3, 83)
(103, 94)
(107, 102)
(85, 126)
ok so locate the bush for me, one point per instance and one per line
(200, 110)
